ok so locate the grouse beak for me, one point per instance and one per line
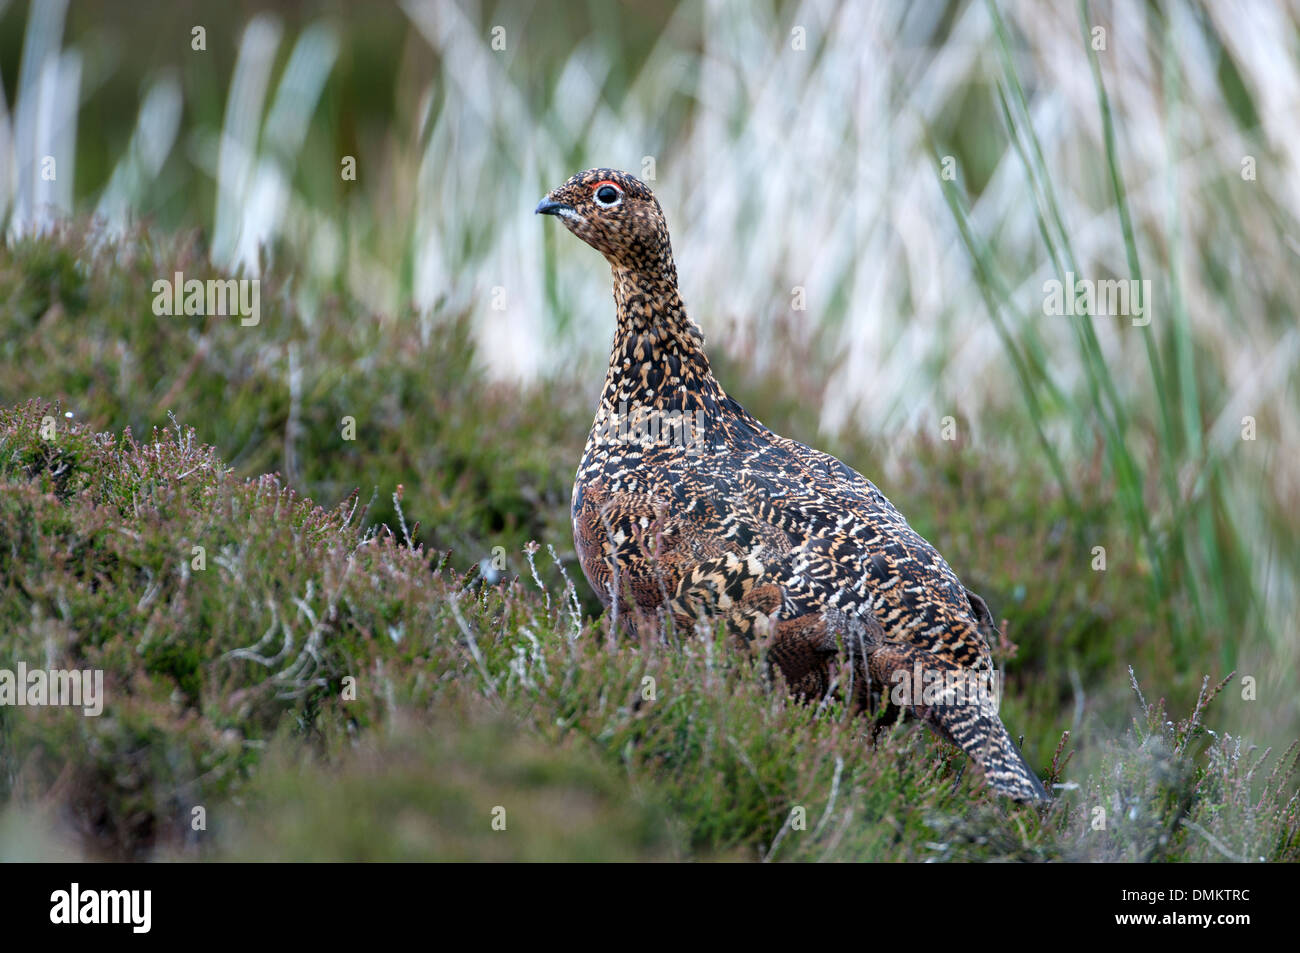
(548, 206)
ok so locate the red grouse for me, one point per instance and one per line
(684, 503)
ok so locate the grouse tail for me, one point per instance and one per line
(981, 734)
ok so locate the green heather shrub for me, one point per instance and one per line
(480, 467)
(404, 702)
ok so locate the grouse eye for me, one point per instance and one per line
(608, 195)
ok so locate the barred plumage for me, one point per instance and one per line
(684, 503)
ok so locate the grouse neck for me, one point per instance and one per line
(658, 358)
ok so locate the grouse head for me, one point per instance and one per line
(616, 214)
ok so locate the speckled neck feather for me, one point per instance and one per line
(658, 358)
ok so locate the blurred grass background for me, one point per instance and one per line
(794, 146)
